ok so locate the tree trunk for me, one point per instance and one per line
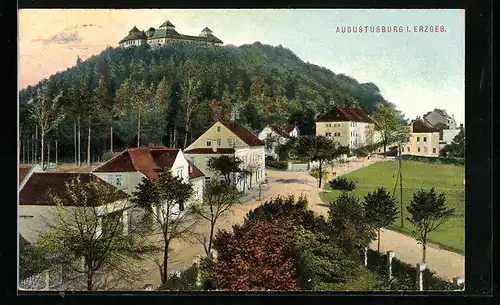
(378, 238)
(74, 133)
(175, 137)
(88, 146)
(79, 142)
(33, 149)
(36, 144)
(164, 276)
(90, 283)
(28, 150)
(43, 148)
(211, 237)
(139, 129)
(48, 154)
(401, 187)
(111, 138)
(320, 172)
(24, 150)
(188, 116)
(56, 151)
(170, 140)
(424, 250)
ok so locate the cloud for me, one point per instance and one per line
(87, 25)
(61, 38)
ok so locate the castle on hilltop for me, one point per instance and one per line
(165, 33)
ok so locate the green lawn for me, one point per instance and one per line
(448, 179)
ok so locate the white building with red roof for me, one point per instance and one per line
(126, 170)
(228, 138)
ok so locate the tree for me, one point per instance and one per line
(142, 97)
(456, 148)
(225, 166)
(319, 148)
(380, 210)
(387, 122)
(428, 212)
(256, 256)
(218, 198)
(164, 198)
(401, 137)
(190, 86)
(316, 174)
(80, 227)
(349, 226)
(45, 113)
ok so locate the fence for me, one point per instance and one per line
(48, 279)
(435, 160)
(403, 276)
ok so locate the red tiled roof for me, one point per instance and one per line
(194, 172)
(343, 114)
(208, 151)
(242, 133)
(147, 160)
(36, 189)
(420, 126)
(24, 170)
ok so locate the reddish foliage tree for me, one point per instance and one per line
(216, 109)
(256, 256)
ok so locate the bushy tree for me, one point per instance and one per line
(381, 210)
(226, 166)
(428, 211)
(349, 226)
(256, 256)
(320, 176)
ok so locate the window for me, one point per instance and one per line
(207, 162)
(433, 150)
(111, 179)
(207, 180)
(328, 134)
(269, 134)
(179, 172)
(209, 143)
(193, 160)
(328, 125)
(408, 148)
(425, 139)
(119, 180)
(418, 139)
(229, 142)
(418, 149)
(218, 128)
(219, 141)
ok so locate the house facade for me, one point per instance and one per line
(348, 127)
(126, 170)
(438, 116)
(424, 140)
(227, 138)
(277, 135)
(163, 34)
(36, 209)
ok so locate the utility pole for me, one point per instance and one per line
(401, 185)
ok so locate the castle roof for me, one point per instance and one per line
(167, 23)
(134, 34)
(206, 29)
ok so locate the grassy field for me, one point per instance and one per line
(447, 179)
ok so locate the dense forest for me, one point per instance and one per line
(169, 95)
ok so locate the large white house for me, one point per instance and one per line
(277, 135)
(126, 170)
(228, 138)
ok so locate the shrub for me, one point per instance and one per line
(187, 280)
(434, 160)
(270, 158)
(277, 164)
(343, 183)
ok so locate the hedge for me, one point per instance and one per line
(342, 183)
(435, 160)
(277, 164)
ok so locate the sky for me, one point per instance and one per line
(416, 69)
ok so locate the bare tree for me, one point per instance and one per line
(45, 113)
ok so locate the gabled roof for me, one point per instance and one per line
(343, 114)
(147, 160)
(194, 172)
(419, 126)
(36, 190)
(242, 133)
(210, 151)
(206, 29)
(24, 170)
(134, 34)
(283, 130)
(167, 23)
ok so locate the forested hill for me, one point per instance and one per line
(264, 84)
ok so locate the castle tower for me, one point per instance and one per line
(206, 32)
(167, 25)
